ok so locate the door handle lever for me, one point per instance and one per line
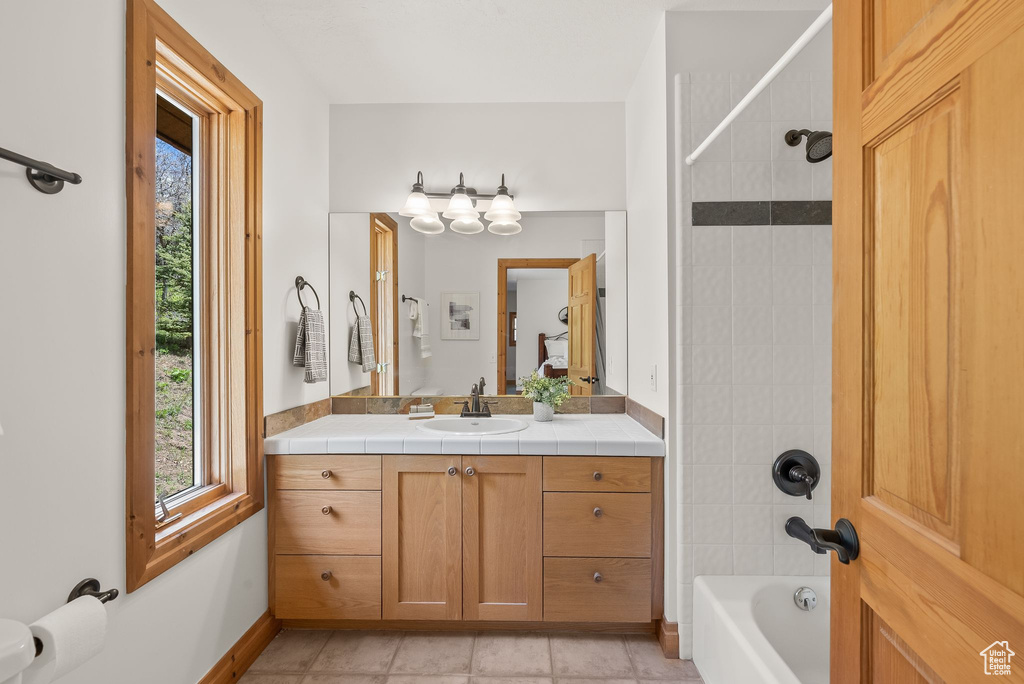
(843, 539)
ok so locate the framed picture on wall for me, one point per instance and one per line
(460, 315)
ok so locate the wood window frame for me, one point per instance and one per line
(376, 381)
(503, 266)
(161, 54)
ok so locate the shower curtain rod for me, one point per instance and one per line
(795, 49)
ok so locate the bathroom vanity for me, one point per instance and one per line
(373, 519)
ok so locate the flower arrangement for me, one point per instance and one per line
(543, 390)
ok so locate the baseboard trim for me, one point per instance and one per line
(668, 637)
(474, 625)
(243, 654)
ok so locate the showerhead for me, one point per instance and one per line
(819, 143)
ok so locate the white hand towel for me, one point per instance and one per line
(422, 329)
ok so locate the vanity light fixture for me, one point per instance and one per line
(502, 215)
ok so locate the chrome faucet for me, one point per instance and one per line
(476, 411)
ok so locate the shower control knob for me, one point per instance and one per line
(326, 575)
(598, 512)
(598, 577)
(326, 510)
(597, 477)
(470, 471)
(452, 470)
(326, 474)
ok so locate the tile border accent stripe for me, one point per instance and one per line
(654, 422)
(278, 422)
(763, 213)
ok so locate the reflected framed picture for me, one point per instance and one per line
(460, 315)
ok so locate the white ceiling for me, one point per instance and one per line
(403, 51)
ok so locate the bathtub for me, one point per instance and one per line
(749, 630)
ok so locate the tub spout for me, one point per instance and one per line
(842, 540)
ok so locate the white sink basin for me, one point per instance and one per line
(473, 426)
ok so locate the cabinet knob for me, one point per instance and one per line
(452, 470)
(326, 474)
(598, 512)
(598, 577)
(597, 476)
(470, 471)
(326, 575)
(326, 510)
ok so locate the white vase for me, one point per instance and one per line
(542, 413)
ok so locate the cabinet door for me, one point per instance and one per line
(503, 565)
(422, 537)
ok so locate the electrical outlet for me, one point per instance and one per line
(654, 377)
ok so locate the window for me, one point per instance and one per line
(514, 336)
(194, 437)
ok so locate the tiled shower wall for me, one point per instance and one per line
(753, 354)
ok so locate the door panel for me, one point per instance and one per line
(503, 564)
(928, 339)
(582, 331)
(421, 538)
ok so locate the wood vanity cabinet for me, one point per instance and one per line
(566, 539)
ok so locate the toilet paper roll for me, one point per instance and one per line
(70, 635)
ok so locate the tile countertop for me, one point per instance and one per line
(606, 434)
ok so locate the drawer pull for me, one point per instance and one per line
(452, 470)
(597, 476)
(326, 474)
(326, 510)
(326, 575)
(470, 471)
(598, 512)
(598, 577)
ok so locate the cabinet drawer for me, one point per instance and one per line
(350, 591)
(327, 471)
(596, 474)
(327, 522)
(597, 524)
(572, 592)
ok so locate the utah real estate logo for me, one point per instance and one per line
(997, 658)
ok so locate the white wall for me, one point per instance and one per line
(555, 156)
(350, 271)
(754, 302)
(538, 303)
(62, 455)
(647, 234)
(413, 369)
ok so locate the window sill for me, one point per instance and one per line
(194, 531)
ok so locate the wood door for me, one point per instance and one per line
(582, 331)
(502, 559)
(384, 302)
(928, 340)
(421, 531)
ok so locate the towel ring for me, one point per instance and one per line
(301, 283)
(352, 297)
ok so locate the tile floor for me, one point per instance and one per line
(348, 657)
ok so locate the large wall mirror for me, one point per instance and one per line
(440, 312)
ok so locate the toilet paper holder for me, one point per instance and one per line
(91, 587)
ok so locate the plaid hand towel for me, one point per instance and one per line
(310, 349)
(360, 348)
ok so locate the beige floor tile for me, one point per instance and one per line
(574, 680)
(512, 654)
(687, 680)
(434, 653)
(269, 678)
(428, 679)
(344, 679)
(586, 655)
(512, 680)
(357, 652)
(292, 650)
(651, 663)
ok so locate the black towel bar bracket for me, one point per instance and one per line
(404, 298)
(91, 587)
(44, 177)
(301, 283)
(352, 297)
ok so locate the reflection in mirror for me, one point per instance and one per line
(447, 310)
